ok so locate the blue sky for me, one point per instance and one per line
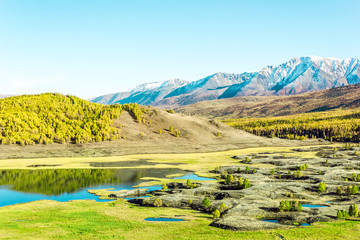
(92, 47)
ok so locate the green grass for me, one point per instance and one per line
(95, 220)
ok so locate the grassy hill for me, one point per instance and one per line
(347, 97)
(49, 118)
(79, 128)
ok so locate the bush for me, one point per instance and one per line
(171, 129)
(229, 179)
(338, 191)
(206, 202)
(216, 214)
(339, 215)
(188, 183)
(292, 206)
(353, 211)
(245, 184)
(157, 202)
(189, 202)
(224, 174)
(322, 187)
(223, 208)
(164, 187)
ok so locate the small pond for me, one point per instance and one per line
(313, 206)
(192, 176)
(163, 219)
(20, 186)
(278, 221)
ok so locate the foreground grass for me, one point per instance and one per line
(94, 220)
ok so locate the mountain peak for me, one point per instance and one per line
(297, 75)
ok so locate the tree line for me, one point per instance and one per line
(335, 125)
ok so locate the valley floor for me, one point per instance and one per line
(87, 219)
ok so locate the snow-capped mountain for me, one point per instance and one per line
(145, 94)
(299, 75)
(296, 76)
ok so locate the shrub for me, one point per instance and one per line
(246, 183)
(338, 191)
(164, 187)
(224, 174)
(157, 202)
(160, 131)
(223, 208)
(247, 169)
(322, 187)
(218, 134)
(292, 206)
(206, 202)
(189, 202)
(339, 215)
(188, 183)
(171, 129)
(240, 183)
(354, 190)
(272, 172)
(297, 174)
(229, 179)
(216, 213)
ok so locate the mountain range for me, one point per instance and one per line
(298, 75)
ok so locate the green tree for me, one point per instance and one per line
(188, 183)
(246, 183)
(339, 215)
(206, 202)
(157, 202)
(322, 187)
(216, 214)
(223, 208)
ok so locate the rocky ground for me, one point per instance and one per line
(246, 208)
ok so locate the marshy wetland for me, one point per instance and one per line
(164, 192)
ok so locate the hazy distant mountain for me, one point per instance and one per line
(299, 75)
(145, 94)
(4, 96)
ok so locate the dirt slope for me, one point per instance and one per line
(196, 135)
(265, 106)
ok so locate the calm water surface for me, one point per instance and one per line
(20, 186)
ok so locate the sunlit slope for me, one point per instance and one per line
(49, 118)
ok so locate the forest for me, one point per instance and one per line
(54, 118)
(333, 125)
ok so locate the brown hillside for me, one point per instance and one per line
(196, 135)
(265, 106)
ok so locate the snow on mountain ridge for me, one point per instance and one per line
(297, 75)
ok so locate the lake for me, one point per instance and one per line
(20, 186)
